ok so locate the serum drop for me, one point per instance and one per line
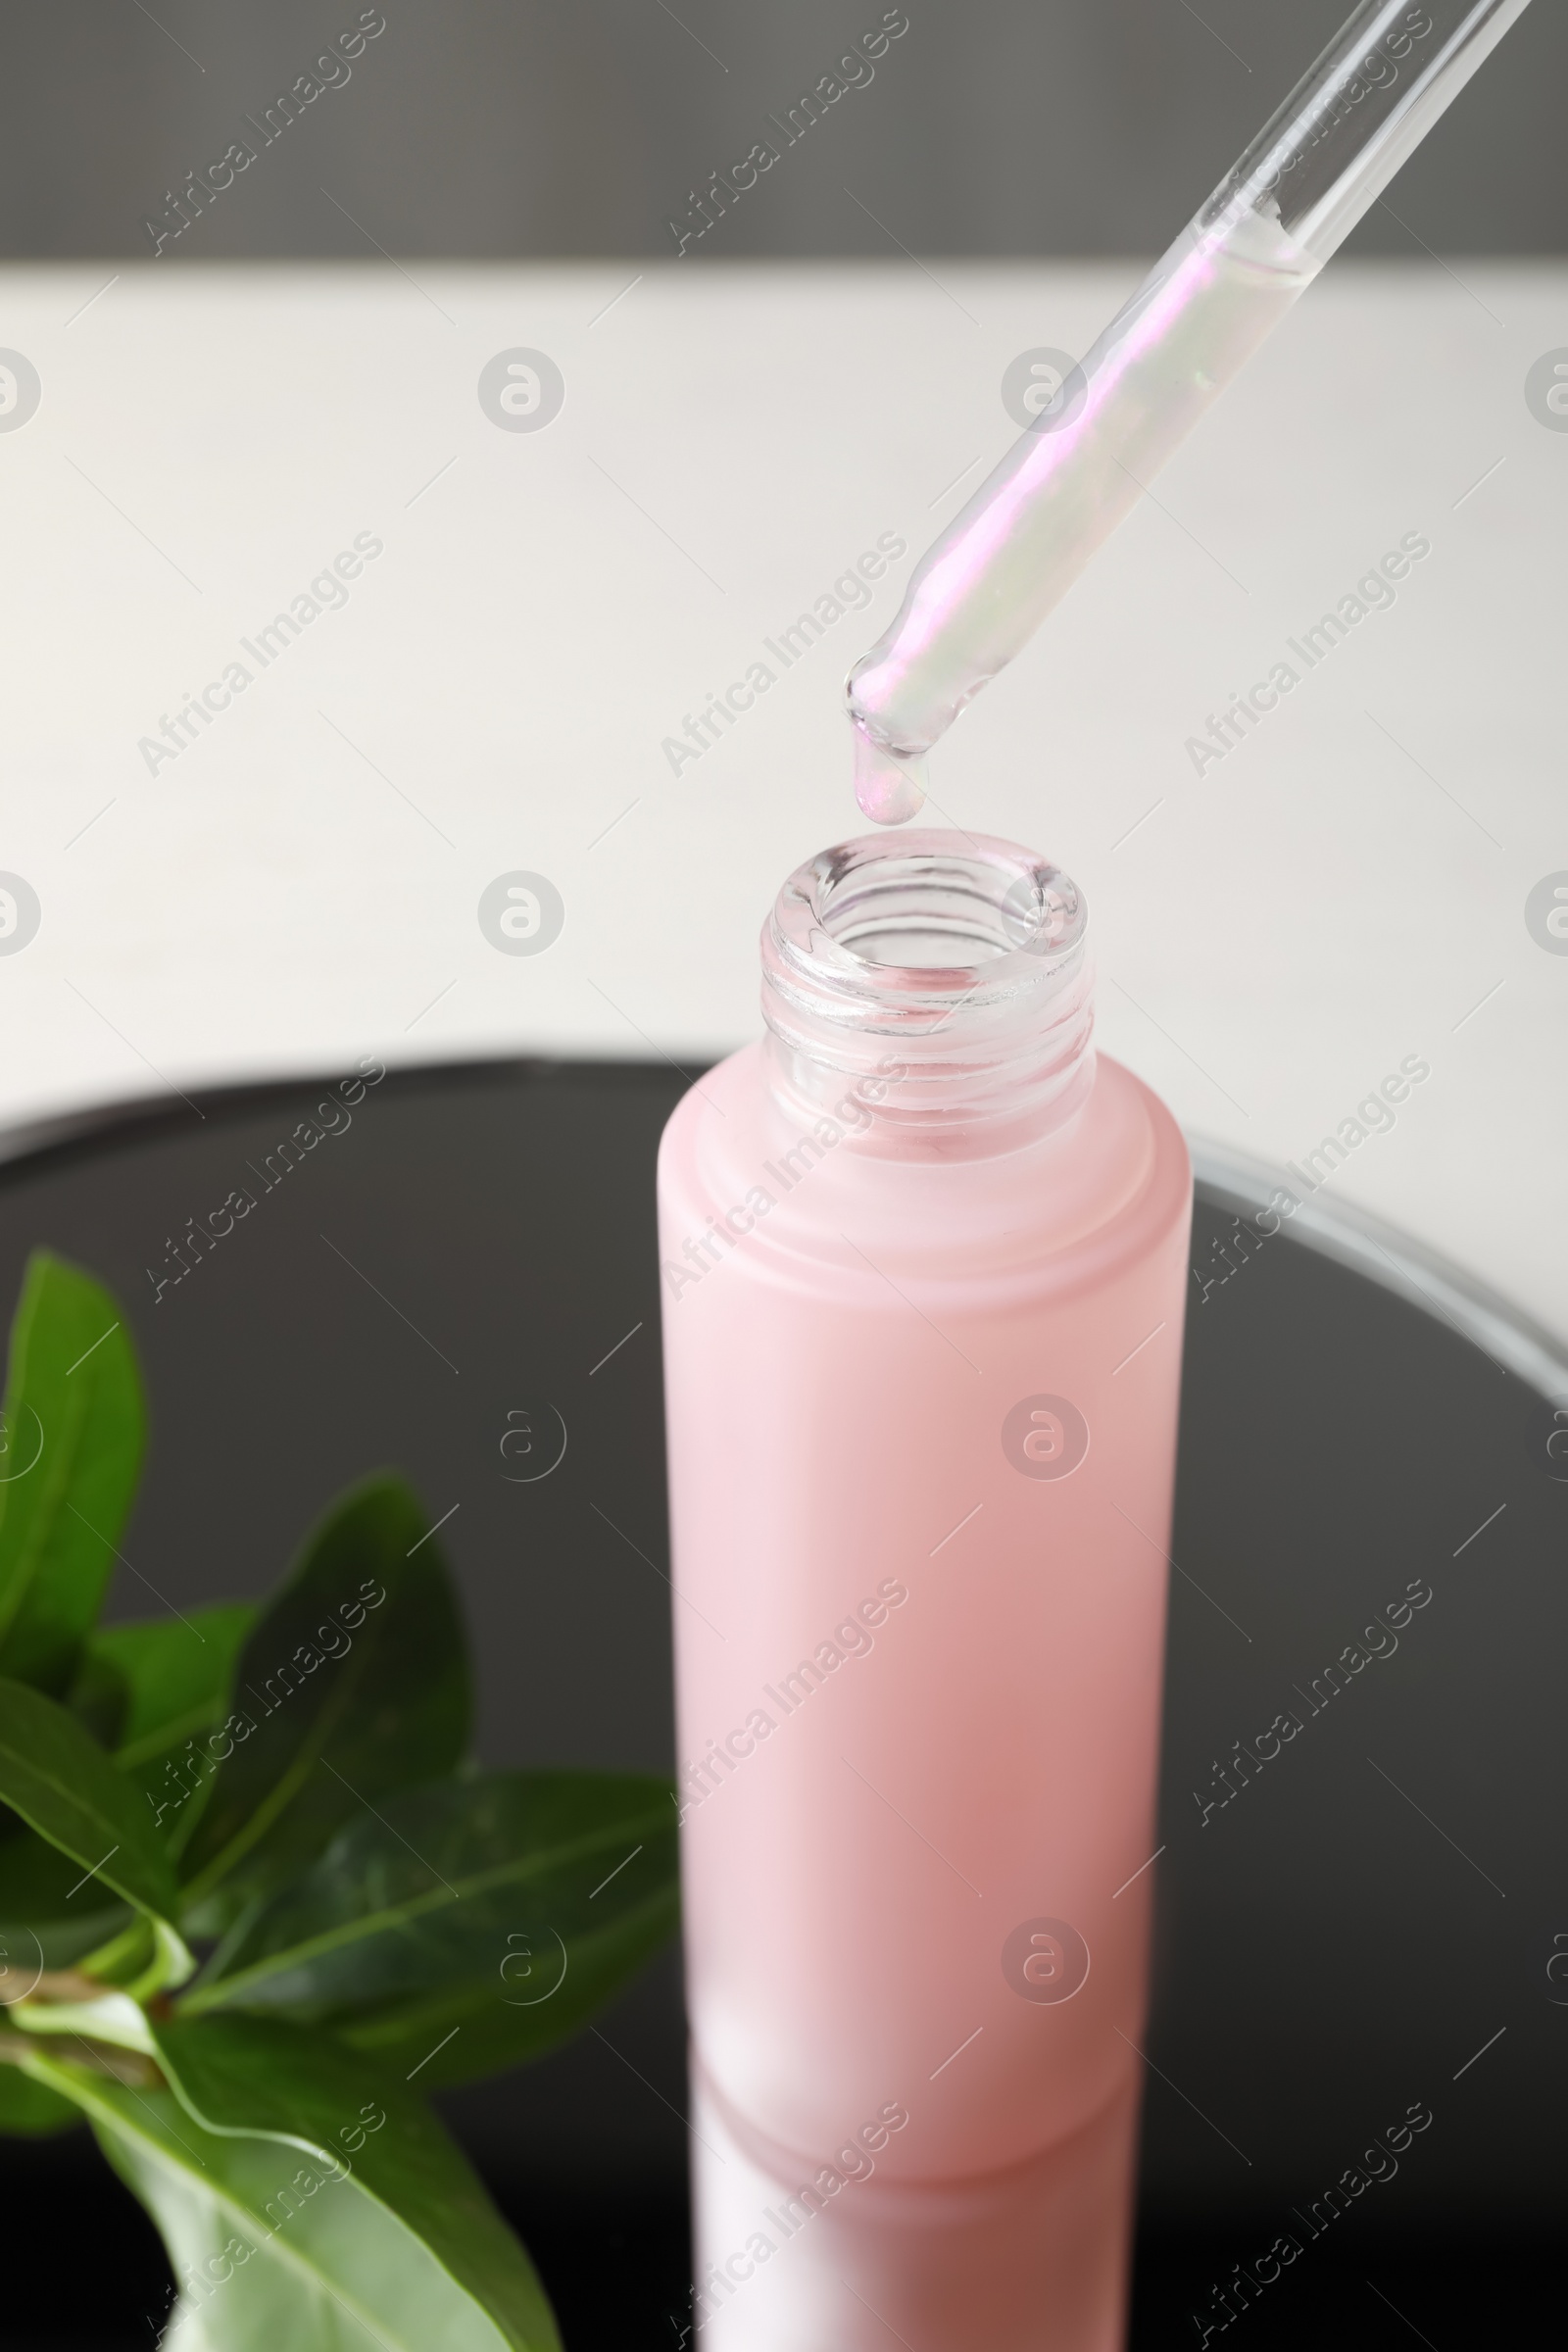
(924, 1262)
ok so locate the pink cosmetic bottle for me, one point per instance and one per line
(924, 1260)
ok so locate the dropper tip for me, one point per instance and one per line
(889, 789)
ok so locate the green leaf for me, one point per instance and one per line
(177, 1672)
(61, 1783)
(474, 1924)
(249, 2075)
(43, 1923)
(343, 2220)
(99, 1698)
(354, 1683)
(72, 1434)
(28, 2109)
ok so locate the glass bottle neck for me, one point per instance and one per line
(938, 981)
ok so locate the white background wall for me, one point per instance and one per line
(300, 887)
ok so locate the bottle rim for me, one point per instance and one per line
(959, 961)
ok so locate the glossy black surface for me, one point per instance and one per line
(1337, 1942)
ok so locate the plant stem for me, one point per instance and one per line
(123, 2066)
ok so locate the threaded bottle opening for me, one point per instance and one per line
(954, 966)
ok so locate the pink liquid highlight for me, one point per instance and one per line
(1023, 538)
(973, 1747)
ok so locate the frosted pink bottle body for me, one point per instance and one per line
(925, 1282)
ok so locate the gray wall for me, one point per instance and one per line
(507, 127)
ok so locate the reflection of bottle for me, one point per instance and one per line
(924, 1262)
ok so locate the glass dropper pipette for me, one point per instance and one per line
(982, 590)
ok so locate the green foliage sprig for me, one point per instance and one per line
(256, 1898)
